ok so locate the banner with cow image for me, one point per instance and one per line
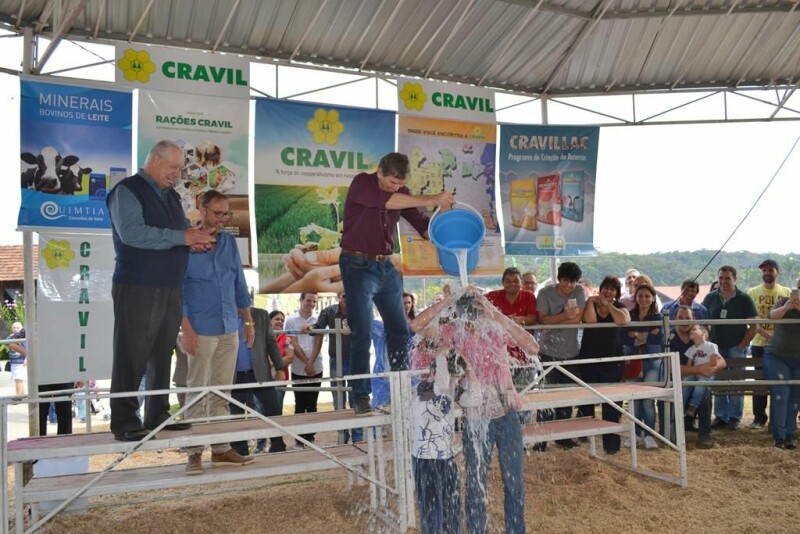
(214, 135)
(74, 310)
(547, 187)
(74, 141)
(305, 157)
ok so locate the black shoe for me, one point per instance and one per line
(790, 444)
(719, 423)
(611, 452)
(173, 426)
(734, 424)
(704, 441)
(688, 424)
(780, 443)
(567, 443)
(757, 424)
(537, 447)
(362, 406)
(131, 435)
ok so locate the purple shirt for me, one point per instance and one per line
(368, 226)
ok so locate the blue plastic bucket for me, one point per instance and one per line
(454, 230)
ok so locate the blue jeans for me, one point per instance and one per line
(480, 437)
(347, 397)
(729, 408)
(785, 400)
(653, 371)
(438, 491)
(694, 395)
(365, 282)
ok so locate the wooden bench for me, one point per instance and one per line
(737, 369)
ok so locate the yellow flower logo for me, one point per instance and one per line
(136, 65)
(477, 133)
(58, 255)
(325, 126)
(413, 96)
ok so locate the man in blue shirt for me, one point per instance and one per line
(689, 290)
(214, 295)
(151, 239)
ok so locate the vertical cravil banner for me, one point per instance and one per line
(547, 185)
(73, 141)
(306, 155)
(448, 132)
(74, 311)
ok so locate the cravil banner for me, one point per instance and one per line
(306, 155)
(214, 135)
(547, 185)
(73, 141)
(425, 98)
(170, 69)
(74, 310)
(453, 156)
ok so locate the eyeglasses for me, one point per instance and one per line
(221, 214)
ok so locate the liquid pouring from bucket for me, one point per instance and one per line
(457, 235)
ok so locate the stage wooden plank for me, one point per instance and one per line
(576, 396)
(168, 476)
(571, 428)
(27, 449)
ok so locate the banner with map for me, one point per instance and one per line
(547, 186)
(450, 155)
(448, 132)
(306, 155)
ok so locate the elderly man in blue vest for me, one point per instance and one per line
(152, 239)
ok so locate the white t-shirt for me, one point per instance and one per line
(701, 354)
(306, 342)
(432, 416)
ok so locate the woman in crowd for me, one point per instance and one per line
(603, 343)
(645, 340)
(782, 362)
(277, 318)
(408, 306)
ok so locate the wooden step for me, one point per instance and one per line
(570, 429)
(64, 446)
(171, 476)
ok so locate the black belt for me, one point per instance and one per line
(370, 257)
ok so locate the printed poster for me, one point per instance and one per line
(214, 135)
(547, 189)
(74, 308)
(73, 140)
(450, 155)
(306, 155)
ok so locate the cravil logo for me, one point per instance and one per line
(51, 211)
(413, 96)
(136, 65)
(326, 127)
(58, 254)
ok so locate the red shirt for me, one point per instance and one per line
(524, 305)
(368, 226)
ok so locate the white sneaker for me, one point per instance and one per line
(650, 442)
(627, 442)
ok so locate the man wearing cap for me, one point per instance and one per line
(374, 204)
(729, 302)
(764, 296)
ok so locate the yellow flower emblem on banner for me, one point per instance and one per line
(413, 96)
(136, 65)
(325, 126)
(58, 254)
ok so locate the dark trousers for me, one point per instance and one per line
(63, 410)
(438, 491)
(146, 324)
(610, 373)
(267, 405)
(759, 401)
(306, 401)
